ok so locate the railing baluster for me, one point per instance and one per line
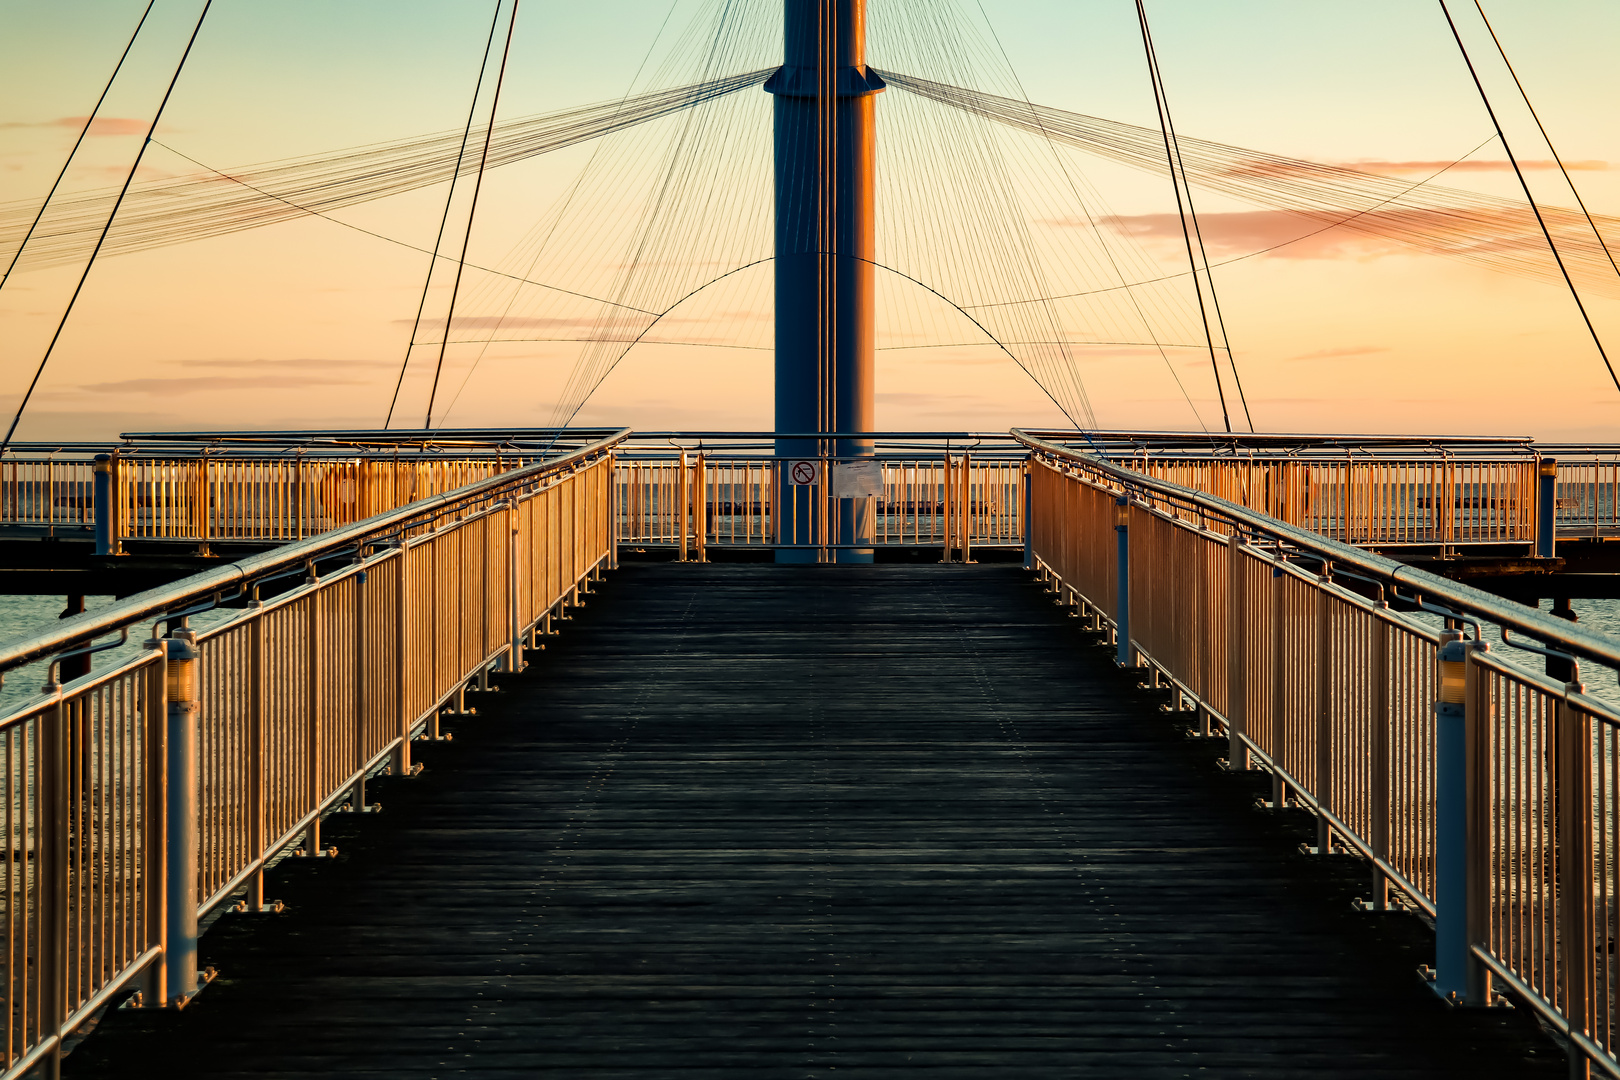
(1324, 713)
(1237, 653)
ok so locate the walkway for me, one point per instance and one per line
(760, 822)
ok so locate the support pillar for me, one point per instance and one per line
(182, 691)
(825, 153)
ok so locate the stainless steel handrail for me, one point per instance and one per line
(240, 573)
(1571, 637)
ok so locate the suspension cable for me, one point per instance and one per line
(1181, 213)
(1502, 137)
(1198, 235)
(455, 174)
(91, 119)
(105, 229)
(472, 209)
(1547, 138)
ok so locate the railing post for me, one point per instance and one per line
(1237, 654)
(154, 833)
(1122, 588)
(682, 499)
(1575, 875)
(613, 512)
(966, 515)
(948, 498)
(358, 799)
(1462, 822)
(101, 497)
(514, 615)
(402, 659)
(700, 506)
(1547, 508)
(51, 852)
(1378, 675)
(1451, 819)
(182, 693)
(1029, 514)
(312, 671)
(1477, 859)
(485, 557)
(258, 771)
(1279, 688)
(1324, 712)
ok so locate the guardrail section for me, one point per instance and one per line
(1486, 791)
(257, 726)
(695, 498)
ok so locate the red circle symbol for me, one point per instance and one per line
(804, 472)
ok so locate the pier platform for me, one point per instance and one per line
(735, 821)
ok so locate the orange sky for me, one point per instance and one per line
(304, 324)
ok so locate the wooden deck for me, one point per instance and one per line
(750, 821)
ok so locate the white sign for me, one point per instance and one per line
(857, 479)
(804, 472)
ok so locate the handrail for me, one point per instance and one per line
(1547, 628)
(164, 598)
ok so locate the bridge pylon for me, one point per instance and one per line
(825, 151)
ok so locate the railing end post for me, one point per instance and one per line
(182, 699)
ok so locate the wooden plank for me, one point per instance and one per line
(746, 820)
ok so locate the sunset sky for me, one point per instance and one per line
(305, 323)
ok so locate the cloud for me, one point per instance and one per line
(1382, 167)
(1244, 231)
(280, 364)
(916, 399)
(102, 125)
(1339, 354)
(171, 387)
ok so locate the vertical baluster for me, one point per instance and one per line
(1378, 674)
(314, 707)
(1324, 712)
(1279, 697)
(1237, 652)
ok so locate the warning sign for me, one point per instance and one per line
(857, 479)
(804, 472)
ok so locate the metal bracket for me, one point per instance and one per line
(272, 907)
(1453, 999)
(204, 977)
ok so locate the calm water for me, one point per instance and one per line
(26, 615)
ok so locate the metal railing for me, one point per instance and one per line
(271, 487)
(251, 487)
(52, 489)
(1588, 491)
(1359, 490)
(692, 492)
(137, 799)
(1483, 790)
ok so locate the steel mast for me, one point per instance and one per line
(825, 152)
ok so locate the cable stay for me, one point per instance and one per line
(1529, 196)
(101, 239)
(88, 121)
(444, 219)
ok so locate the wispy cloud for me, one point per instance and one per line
(200, 384)
(1468, 166)
(102, 125)
(279, 364)
(1342, 353)
(1244, 231)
